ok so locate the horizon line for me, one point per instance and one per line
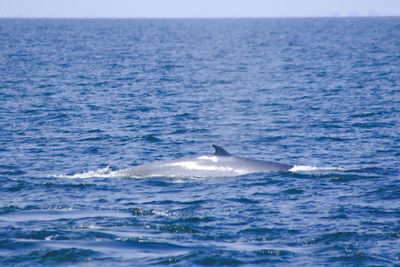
(226, 17)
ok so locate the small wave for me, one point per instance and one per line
(106, 172)
(305, 168)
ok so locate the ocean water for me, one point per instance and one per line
(81, 99)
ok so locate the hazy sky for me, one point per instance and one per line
(197, 8)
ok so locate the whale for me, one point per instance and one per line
(219, 164)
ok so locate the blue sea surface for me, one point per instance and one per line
(81, 99)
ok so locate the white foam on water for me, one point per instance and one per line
(101, 173)
(305, 168)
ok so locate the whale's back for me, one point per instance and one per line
(204, 166)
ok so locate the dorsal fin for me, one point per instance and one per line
(219, 151)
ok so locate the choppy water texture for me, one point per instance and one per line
(84, 98)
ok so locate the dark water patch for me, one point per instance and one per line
(57, 256)
(151, 138)
(331, 138)
(326, 125)
(373, 125)
(67, 186)
(89, 139)
(15, 186)
(389, 192)
(265, 183)
(194, 202)
(186, 116)
(366, 114)
(339, 214)
(95, 131)
(267, 234)
(9, 209)
(12, 172)
(244, 200)
(217, 258)
(92, 150)
(197, 220)
(177, 228)
(12, 244)
(381, 212)
(180, 131)
(293, 191)
(140, 212)
(141, 109)
(159, 182)
(13, 208)
(272, 138)
(349, 177)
